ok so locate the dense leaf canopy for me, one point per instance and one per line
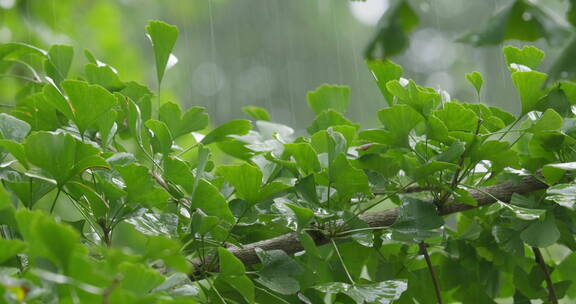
(111, 194)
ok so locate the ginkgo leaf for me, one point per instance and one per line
(87, 103)
(528, 56)
(193, 120)
(329, 97)
(400, 120)
(475, 78)
(221, 133)
(61, 155)
(385, 71)
(58, 62)
(256, 112)
(163, 37)
(529, 86)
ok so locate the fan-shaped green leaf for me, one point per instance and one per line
(61, 155)
(221, 133)
(329, 97)
(245, 178)
(385, 71)
(163, 37)
(528, 56)
(476, 80)
(542, 233)
(400, 120)
(87, 102)
(58, 62)
(529, 86)
(141, 188)
(256, 113)
(193, 120)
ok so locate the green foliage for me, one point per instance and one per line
(521, 20)
(382, 292)
(155, 205)
(392, 36)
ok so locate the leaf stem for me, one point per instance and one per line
(517, 139)
(342, 262)
(424, 252)
(511, 126)
(18, 77)
(540, 261)
(159, 102)
(357, 214)
(187, 149)
(85, 213)
(235, 224)
(503, 132)
(361, 230)
(106, 232)
(331, 222)
(216, 291)
(272, 295)
(457, 177)
(31, 69)
(55, 199)
(108, 291)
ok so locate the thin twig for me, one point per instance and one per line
(342, 262)
(361, 230)
(186, 150)
(55, 199)
(424, 252)
(235, 225)
(357, 214)
(511, 126)
(540, 261)
(412, 189)
(272, 295)
(18, 77)
(108, 291)
(457, 178)
(220, 297)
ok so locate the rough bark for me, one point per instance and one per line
(290, 244)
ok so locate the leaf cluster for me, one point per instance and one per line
(108, 197)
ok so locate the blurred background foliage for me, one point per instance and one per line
(269, 53)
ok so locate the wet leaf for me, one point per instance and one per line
(541, 233)
(278, 271)
(476, 80)
(329, 97)
(382, 292)
(256, 113)
(383, 72)
(163, 37)
(61, 155)
(193, 120)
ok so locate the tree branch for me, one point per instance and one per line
(540, 261)
(290, 243)
(424, 251)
